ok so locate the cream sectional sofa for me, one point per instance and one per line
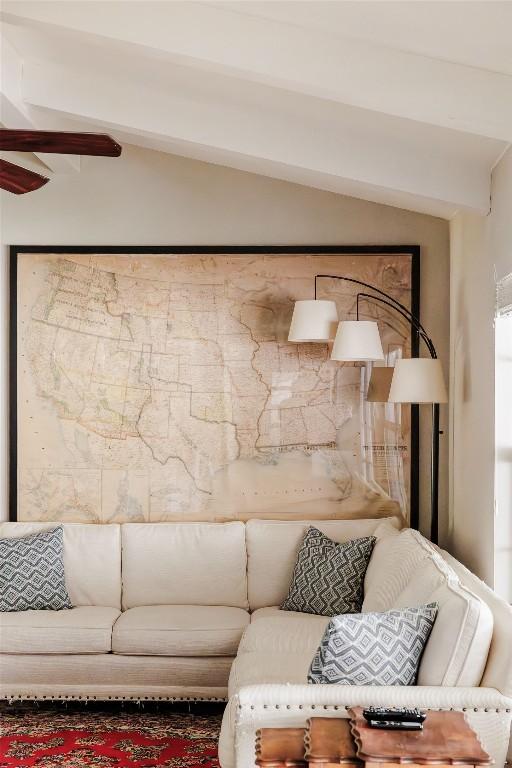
(190, 611)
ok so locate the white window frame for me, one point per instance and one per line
(503, 440)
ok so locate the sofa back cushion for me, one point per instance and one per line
(184, 564)
(394, 561)
(272, 547)
(92, 559)
(456, 652)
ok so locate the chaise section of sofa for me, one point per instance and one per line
(466, 665)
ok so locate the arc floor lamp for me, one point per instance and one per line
(413, 380)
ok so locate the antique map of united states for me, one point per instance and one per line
(163, 387)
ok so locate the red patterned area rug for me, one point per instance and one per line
(55, 738)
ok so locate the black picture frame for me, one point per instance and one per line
(413, 251)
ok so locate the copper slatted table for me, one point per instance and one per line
(446, 740)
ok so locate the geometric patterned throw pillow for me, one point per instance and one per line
(328, 578)
(32, 573)
(373, 648)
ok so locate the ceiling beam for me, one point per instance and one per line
(249, 127)
(306, 61)
(15, 113)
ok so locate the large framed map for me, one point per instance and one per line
(157, 384)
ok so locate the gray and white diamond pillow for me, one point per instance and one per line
(32, 573)
(373, 648)
(328, 577)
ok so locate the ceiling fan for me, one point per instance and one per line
(18, 180)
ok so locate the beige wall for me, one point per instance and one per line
(481, 253)
(149, 198)
(472, 397)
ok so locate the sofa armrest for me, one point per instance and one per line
(266, 706)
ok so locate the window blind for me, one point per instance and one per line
(504, 296)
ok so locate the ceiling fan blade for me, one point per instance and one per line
(14, 178)
(60, 142)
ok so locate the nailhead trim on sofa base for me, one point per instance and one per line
(66, 697)
(336, 707)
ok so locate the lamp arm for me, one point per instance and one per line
(385, 298)
(365, 285)
(408, 316)
(390, 301)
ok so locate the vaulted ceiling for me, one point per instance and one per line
(405, 103)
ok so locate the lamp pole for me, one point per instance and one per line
(434, 476)
(390, 301)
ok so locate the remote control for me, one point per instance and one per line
(400, 715)
(396, 725)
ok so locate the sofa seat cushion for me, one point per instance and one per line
(256, 667)
(86, 629)
(276, 631)
(179, 630)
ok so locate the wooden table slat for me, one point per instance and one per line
(280, 748)
(329, 741)
(446, 739)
